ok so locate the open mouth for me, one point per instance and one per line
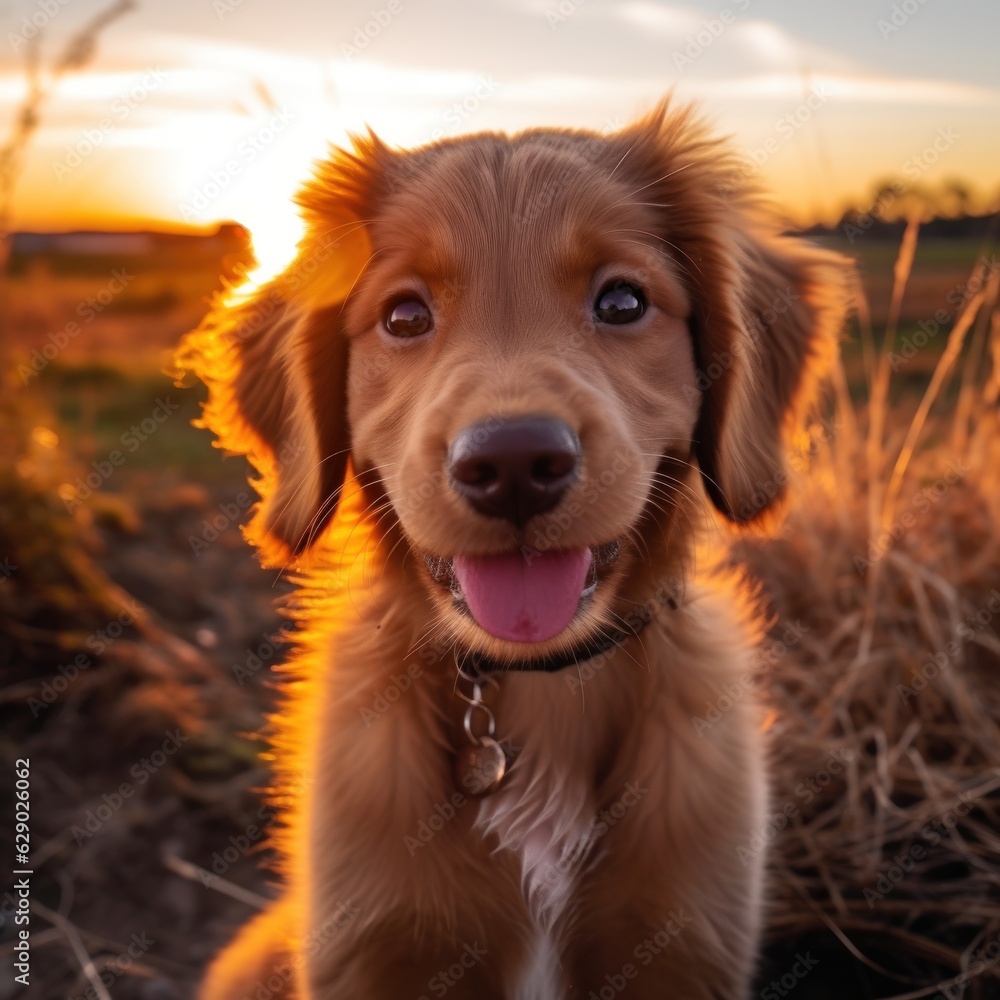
(527, 595)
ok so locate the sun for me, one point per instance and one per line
(275, 231)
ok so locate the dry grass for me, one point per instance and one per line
(887, 711)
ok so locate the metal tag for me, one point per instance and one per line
(480, 767)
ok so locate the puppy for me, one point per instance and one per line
(481, 401)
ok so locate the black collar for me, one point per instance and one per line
(478, 663)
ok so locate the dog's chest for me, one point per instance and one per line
(545, 809)
(544, 813)
(548, 826)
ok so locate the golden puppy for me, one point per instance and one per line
(481, 400)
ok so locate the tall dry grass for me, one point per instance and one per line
(886, 729)
(40, 85)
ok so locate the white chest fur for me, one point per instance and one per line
(545, 813)
(547, 821)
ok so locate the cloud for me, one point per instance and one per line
(844, 88)
(669, 22)
(772, 46)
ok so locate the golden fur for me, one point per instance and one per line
(529, 892)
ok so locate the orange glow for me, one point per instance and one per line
(229, 132)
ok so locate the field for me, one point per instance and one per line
(138, 636)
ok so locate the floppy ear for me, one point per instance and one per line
(766, 309)
(275, 362)
(786, 304)
(276, 378)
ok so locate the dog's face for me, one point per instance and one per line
(524, 344)
(520, 366)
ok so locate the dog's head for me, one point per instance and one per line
(521, 346)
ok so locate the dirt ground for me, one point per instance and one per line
(143, 759)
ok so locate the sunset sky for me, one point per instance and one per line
(199, 110)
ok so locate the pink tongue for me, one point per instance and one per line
(523, 599)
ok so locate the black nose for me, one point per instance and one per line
(515, 468)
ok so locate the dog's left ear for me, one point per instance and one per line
(766, 309)
(764, 338)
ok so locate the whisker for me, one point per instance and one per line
(674, 485)
(655, 236)
(700, 471)
(424, 638)
(659, 180)
(357, 278)
(622, 160)
(303, 477)
(628, 629)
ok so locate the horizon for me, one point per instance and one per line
(169, 228)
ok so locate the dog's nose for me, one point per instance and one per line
(515, 468)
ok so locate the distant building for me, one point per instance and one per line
(228, 238)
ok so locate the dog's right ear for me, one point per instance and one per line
(275, 362)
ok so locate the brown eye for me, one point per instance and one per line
(619, 302)
(408, 318)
